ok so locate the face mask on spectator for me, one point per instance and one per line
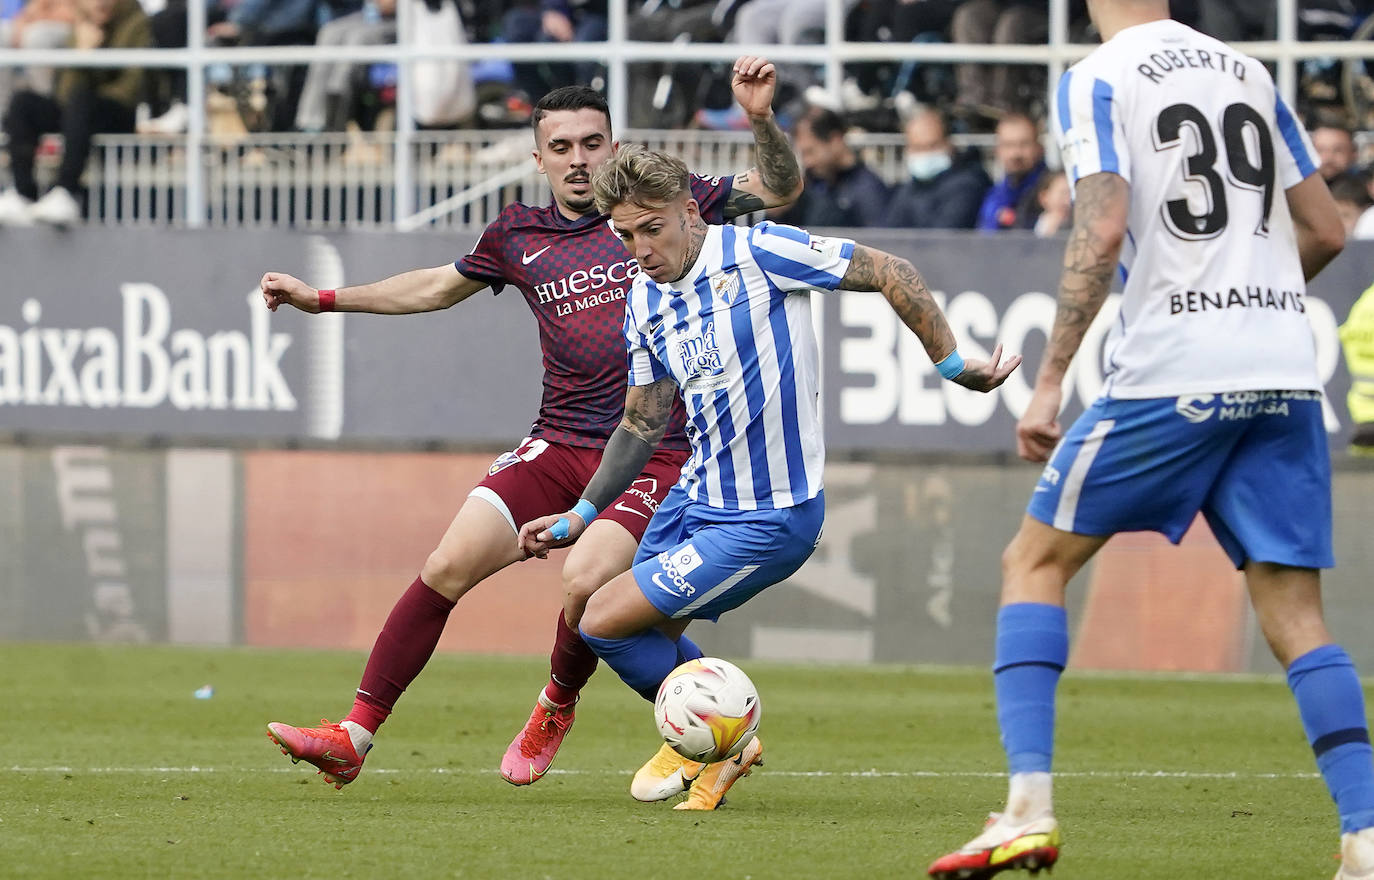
(929, 164)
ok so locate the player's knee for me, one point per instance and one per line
(1033, 571)
(447, 575)
(1021, 557)
(598, 618)
(578, 587)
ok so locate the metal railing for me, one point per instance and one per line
(191, 193)
(337, 180)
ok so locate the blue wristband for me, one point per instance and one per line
(952, 365)
(582, 508)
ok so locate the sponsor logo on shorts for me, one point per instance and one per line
(1234, 406)
(642, 490)
(676, 567)
(1196, 408)
(503, 461)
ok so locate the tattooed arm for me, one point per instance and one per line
(905, 290)
(777, 178)
(647, 408)
(1099, 225)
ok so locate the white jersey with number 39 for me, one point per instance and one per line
(1213, 287)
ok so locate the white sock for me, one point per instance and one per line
(1357, 850)
(1030, 796)
(361, 736)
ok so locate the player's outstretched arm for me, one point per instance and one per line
(777, 178)
(904, 288)
(420, 290)
(632, 444)
(1317, 222)
(1100, 211)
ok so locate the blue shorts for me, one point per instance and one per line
(697, 561)
(1255, 463)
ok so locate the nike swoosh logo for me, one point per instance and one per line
(1018, 846)
(526, 257)
(620, 505)
(1041, 489)
(662, 586)
(329, 756)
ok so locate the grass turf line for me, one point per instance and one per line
(131, 707)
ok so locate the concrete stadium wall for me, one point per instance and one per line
(311, 548)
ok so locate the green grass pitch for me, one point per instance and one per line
(109, 768)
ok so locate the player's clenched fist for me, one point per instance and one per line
(278, 288)
(1038, 430)
(539, 536)
(753, 84)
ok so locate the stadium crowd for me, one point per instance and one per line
(934, 106)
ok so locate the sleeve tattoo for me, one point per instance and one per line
(647, 409)
(904, 288)
(777, 172)
(1089, 260)
(632, 444)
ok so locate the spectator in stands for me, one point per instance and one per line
(1011, 203)
(555, 21)
(988, 91)
(1056, 205)
(1335, 148)
(327, 97)
(666, 94)
(790, 22)
(1364, 227)
(445, 89)
(36, 24)
(1234, 21)
(840, 189)
(278, 23)
(1353, 203)
(944, 189)
(87, 101)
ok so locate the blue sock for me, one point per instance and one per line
(1332, 708)
(687, 650)
(1032, 649)
(642, 661)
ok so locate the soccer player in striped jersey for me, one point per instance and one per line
(720, 317)
(574, 275)
(1197, 187)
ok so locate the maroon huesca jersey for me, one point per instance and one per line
(575, 275)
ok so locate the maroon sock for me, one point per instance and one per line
(403, 647)
(572, 664)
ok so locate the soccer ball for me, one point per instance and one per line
(707, 710)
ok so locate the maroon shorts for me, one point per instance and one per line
(539, 478)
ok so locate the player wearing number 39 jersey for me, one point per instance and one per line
(1196, 189)
(574, 276)
(1210, 261)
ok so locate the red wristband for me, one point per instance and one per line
(326, 300)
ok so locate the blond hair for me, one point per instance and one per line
(639, 176)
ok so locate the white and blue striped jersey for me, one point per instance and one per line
(735, 333)
(1212, 284)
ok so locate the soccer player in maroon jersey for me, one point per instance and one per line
(574, 274)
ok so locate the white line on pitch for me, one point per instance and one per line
(851, 774)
